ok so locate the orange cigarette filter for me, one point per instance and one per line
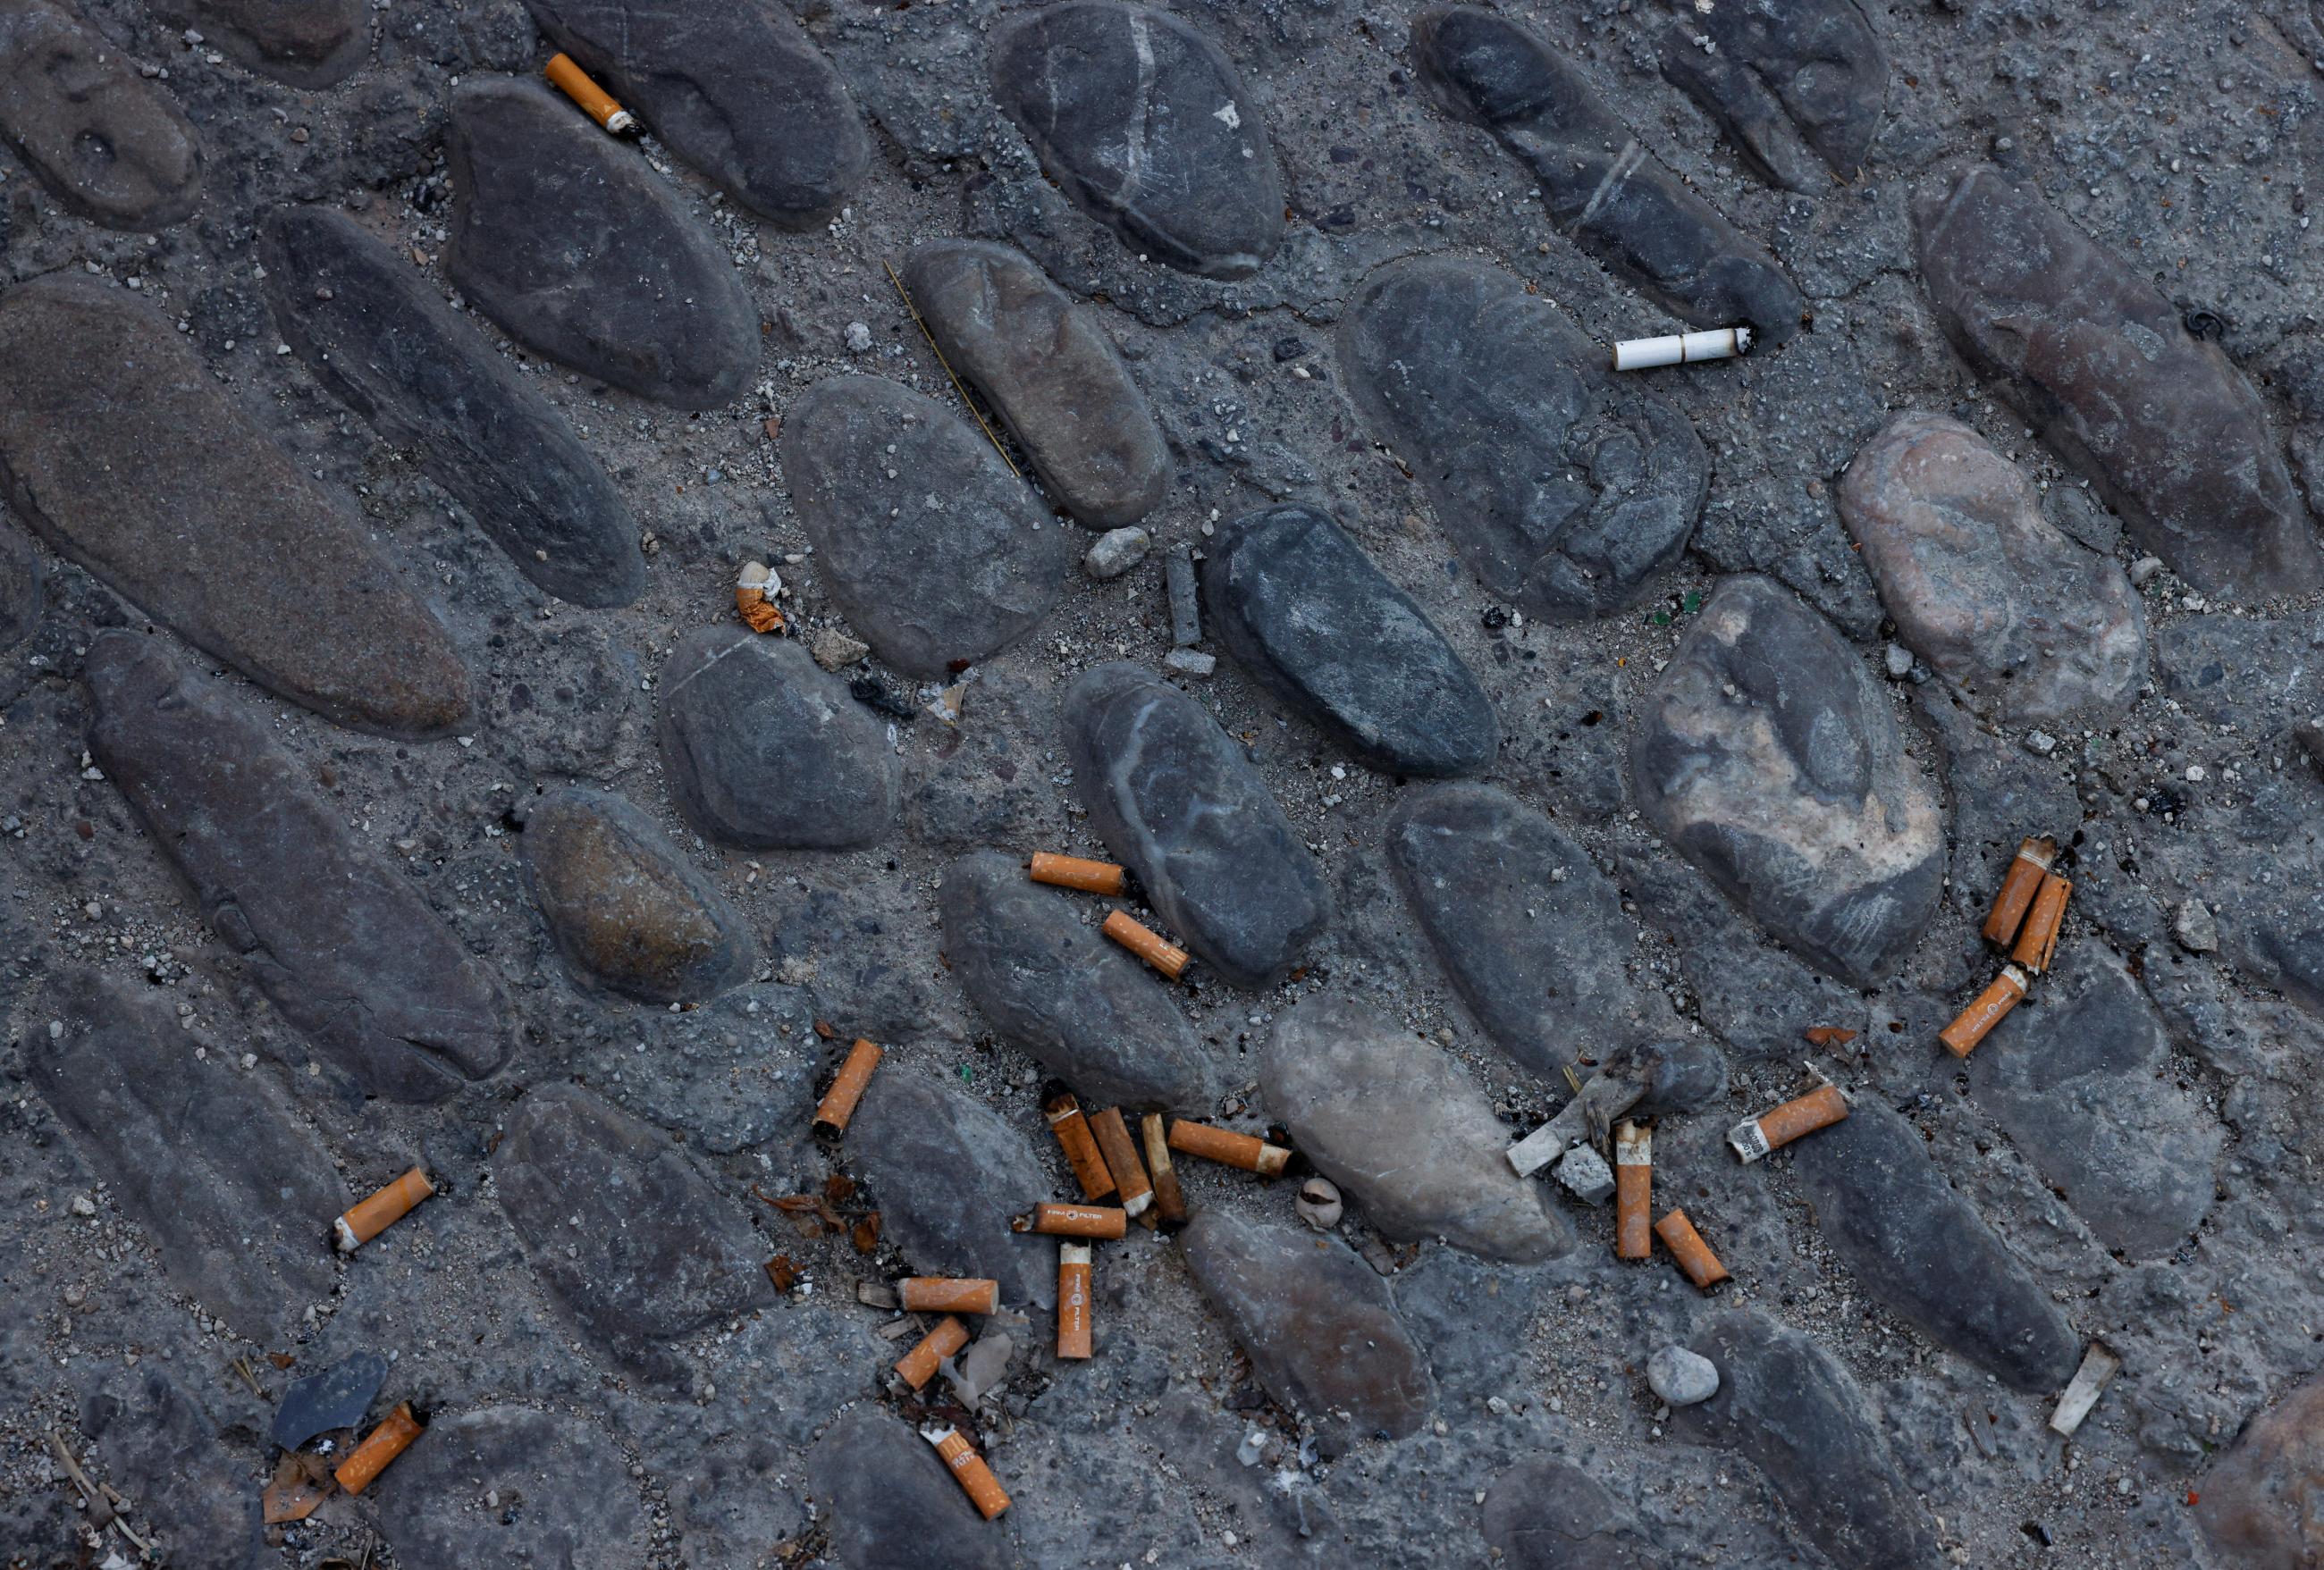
(1820, 1108)
(2037, 939)
(1992, 1005)
(1075, 1221)
(1168, 958)
(948, 1295)
(1122, 1160)
(1248, 1151)
(1072, 1132)
(383, 1444)
(754, 599)
(968, 1468)
(367, 1218)
(1634, 1182)
(595, 102)
(838, 1104)
(1169, 1200)
(919, 1365)
(2027, 869)
(1073, 1300)
(1686, 1246)
(1074, 872)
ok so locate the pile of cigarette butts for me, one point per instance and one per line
(1106, 1164)
(2026, 918)
(302, 1482)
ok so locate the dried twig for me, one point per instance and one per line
(973, 411)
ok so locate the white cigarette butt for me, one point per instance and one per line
(1681, 348)
(1538, 1149)
(2083, 1391)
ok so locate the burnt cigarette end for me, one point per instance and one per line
(838, 1104)
(1976, 1022)
(1073, 1300)
(2034, 855)
(1224, 1145)
(1169, 1199)
(1166, 956)
(1074, 872)
(968, 1468)
(367, 1459)
(1686, 1246)
(1121, 1161)
(1080, 1145)
(2037, 939)
(919, 1366)
(1633, 1191)
(367, 1218)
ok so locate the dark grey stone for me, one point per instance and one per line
(766, 752)
(1077, 1002)
(621, 1228)
(1392, 1119)
(733, 1073)
(625, 910)
(1317, 1324)
(890, 1502)
(1044, 362)
(737, 91)
(109, 145)
(936, 553)
(22, 594)
(233, 1190)
(339, 940)
(1320, 626)
(2024, 621)
(948, 1174)
(1787, 81)
(1599, 184)
(2078, 1077)
(1178, 583)
(1548, 1514)
(1148, 127)
(1790, 1409)
(158, 1447)
(1916, 1246)
(309, 43)
(1529, 931)
(1671, 1077)
(1179, 805)
(512, 1486)
(373, 330)
(1769, 758)
(2162, 423)
(118, 447)
(566, 240)
(336, 1396)
(1565, 489)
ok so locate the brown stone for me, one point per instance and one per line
(112, 146)
(2262, 1505)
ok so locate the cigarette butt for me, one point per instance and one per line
(1168, 1200)
(919, 1365)
(595, 102)
(838, 1104)
(1121, 1161)
(1681, 348)
(1686, 1246)
(1248, 1151)
(1538, 1149)
(2034, 855)
(2083, 1391)
(983, 1489)
(2037, 939)
(1978, 1020)
(1074, 1299)
(1634, 1181)
(875, 1294)
(948, 1295)
(754, 593)
(1075, 1221)
(367, 1218)
(1072, 1132)
(383, 1444)
(1820, 1108)
(1074, 872)
(1168, 958)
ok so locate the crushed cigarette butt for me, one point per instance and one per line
(2100, 1365)
(1169, 1202)
(2037, 939)
(2034, 855)
(755, 598)
(975, 1478)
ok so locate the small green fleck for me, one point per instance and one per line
(1662, 619)
(1693, 602)
(967, 1075)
